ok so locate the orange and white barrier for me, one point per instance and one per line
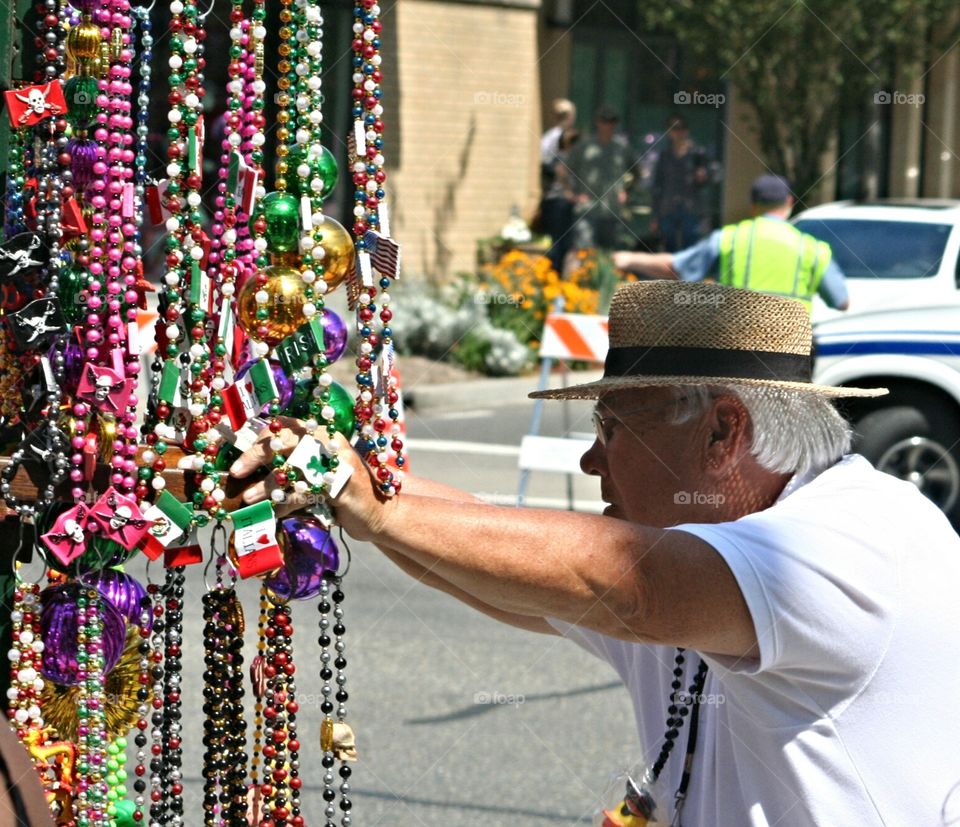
(575, 337)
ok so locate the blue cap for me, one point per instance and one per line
(770, 189)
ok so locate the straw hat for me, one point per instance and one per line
(681, 333)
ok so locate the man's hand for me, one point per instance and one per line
(360, 507)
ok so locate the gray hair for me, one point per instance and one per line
(791, 432)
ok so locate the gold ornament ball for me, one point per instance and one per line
(340, 256)
(83, 41)
(285, 304)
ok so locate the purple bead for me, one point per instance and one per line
(334, 335)
(72, 365)
(124, 593)
(59, 624)
(308, 551)
(83, 160)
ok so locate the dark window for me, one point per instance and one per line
(882, 249)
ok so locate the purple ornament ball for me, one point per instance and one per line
(83, 156)
(308, 552)
(284, 383)
(125, 594)
(334, 335)
(73, 359)
(58, 629)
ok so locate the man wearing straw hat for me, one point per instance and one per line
(782, 614)
(764, 253)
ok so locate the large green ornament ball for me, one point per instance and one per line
(125, 809)
(72, 282)
(81, 93)
(320, 163)
(340, 400)
(281, 211)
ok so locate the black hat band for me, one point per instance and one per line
(708, 361)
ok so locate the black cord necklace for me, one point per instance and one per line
(639, 800)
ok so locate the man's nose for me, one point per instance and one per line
(594, 459)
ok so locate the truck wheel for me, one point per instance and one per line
(918, 445)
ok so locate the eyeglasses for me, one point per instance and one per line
(603, 425)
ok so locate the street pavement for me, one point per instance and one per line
(460, 720)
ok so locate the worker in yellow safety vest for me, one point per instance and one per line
(764, 253)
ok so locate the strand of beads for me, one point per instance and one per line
(16, 181)
(280, 791)
(121, 298)
(224, 727)
(377, 417)
(171, 776)
(90, 803)
(145, 679)
(158, 801)
(26, 681)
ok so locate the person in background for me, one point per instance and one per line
(597, 170)
(564, 117)
(678, 181)
(556, 209)
(764, 253)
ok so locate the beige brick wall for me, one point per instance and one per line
(468, 104)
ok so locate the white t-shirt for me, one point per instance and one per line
(851, 716)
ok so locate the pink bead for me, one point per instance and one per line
(132, 314)
(116, 479)
(131, 297)
(93, 335)
(76, 476)
(94, 303)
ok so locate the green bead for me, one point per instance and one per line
(71, 283)
(81, 95)
(124, 815)
(201, 520)
(281, 210)
(226, 456)
(323, 166)
(279, 460)
(160, 448)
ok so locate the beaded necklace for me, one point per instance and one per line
(26, 681)
(90, 801)
(639, 800)
(376, 412)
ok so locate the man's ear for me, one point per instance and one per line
(726, 436)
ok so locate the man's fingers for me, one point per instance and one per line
(260, 453)
(256, 492)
